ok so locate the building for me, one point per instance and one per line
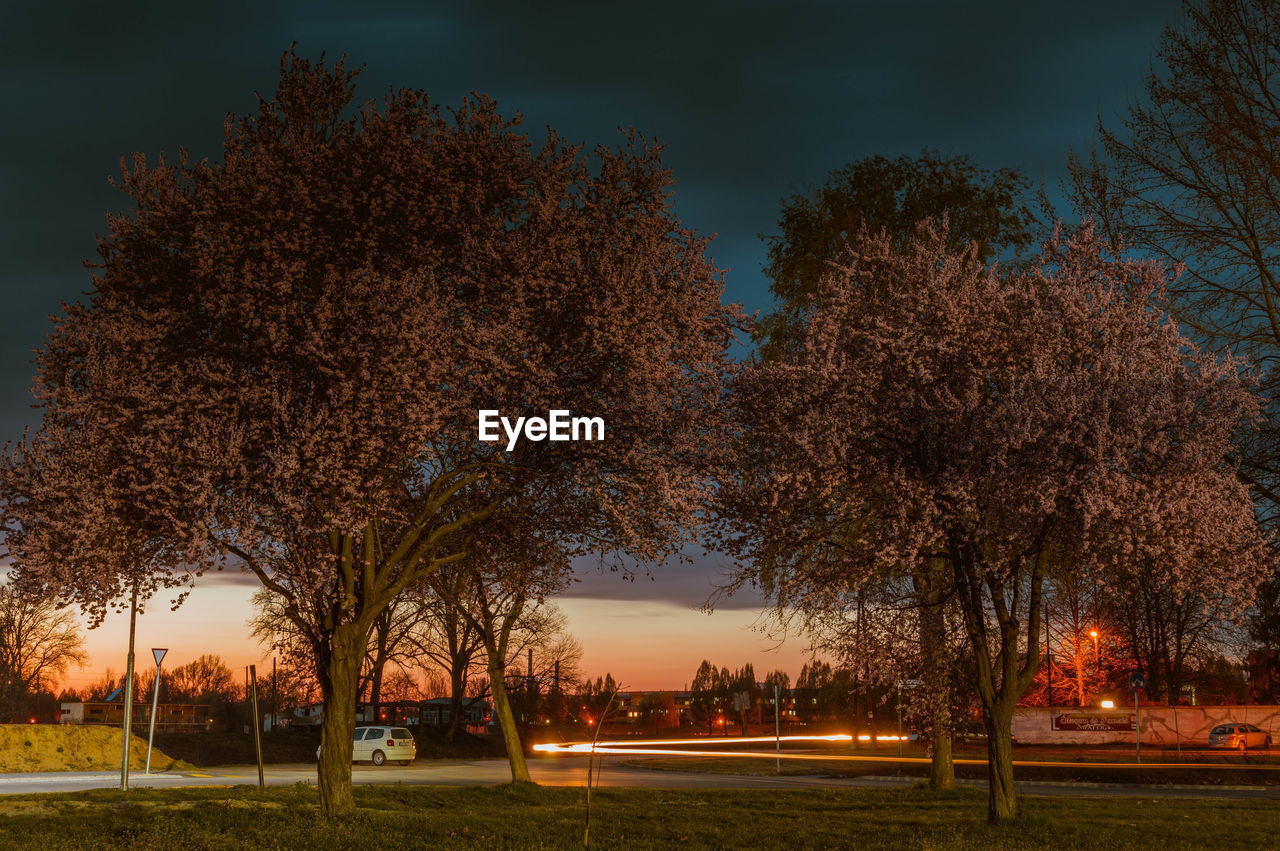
(170, 717)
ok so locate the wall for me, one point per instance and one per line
(1161, 725)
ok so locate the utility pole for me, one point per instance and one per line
(275, 695)
(257, 722)
(533, 691)
(777, 724)
(128, 692)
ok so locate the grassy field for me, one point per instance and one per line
(532, 817)
(1056, 770)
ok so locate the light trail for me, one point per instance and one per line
(664, 747)
(586, 747)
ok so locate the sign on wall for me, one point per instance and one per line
(1096, 721)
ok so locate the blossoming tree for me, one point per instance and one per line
(1006, 424)
(280, 364)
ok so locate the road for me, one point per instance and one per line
(569, 771)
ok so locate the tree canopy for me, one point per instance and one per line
(985, 207)
(1004, 423)
(282, 358)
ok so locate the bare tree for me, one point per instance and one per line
(1192, 175)
(38, 643)
(445, 639)
(390, 639)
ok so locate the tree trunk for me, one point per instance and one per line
(1001, 802)
(931, 595)
(507, 721)
(338, 723)
(456, 687)
(1000, 684)
(942, 769)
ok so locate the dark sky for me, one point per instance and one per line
(755, 101)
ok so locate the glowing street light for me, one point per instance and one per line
(1108, 704)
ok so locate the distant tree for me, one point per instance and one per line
(1264, 637)
(812, 691)
(102, 688)
(390, 643)
(505, 578)
(1220, 680)
(543, 633)
(660, 709)
(781, 679)
(595, 698)
(205, 679)
(399, 685)
(744, 692)
(293, 687)
(38, 644)
(1166, 630)
(447, 640)
(281, 361)
(1192, 175)
(815, 227)
(1001, 424)
(704, 695)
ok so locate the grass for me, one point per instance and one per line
(1063, 771)
(59, 747)
(533, 817)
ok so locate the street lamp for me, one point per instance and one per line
(1108, 704)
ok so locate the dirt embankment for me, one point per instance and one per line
(65, 747)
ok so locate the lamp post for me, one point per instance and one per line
(158, 653)
(1097, 658)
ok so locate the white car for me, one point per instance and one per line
(379, 744)
(1238, 737)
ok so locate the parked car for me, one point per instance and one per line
(379, 744)
(1238, 736)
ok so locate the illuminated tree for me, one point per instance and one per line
(280, 365)
(1191, 174)
(1004, 423)
(984, 207)
(879, 193)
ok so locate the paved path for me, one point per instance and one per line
(571, 771)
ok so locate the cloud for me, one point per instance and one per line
(690, 585)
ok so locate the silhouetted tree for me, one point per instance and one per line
(38, 644)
